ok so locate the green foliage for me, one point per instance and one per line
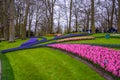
(46, 64)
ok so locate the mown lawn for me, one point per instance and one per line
(98, 41)
(43, 64)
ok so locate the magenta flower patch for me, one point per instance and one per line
(109, 59)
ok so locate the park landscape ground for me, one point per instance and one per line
(47, 63)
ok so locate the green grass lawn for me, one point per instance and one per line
(46, 63)
(49, 37)
(6, 44)
(43, 64)
(98, 41)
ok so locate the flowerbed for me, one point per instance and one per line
(76, 38)
(29, 41)
(108, 59)
(70, 35)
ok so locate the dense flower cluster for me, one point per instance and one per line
(33, 41)
(29, 41)
(108, 59)
(76, 38)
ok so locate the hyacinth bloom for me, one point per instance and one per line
(107, 58)
(76, 38)
(30, 41)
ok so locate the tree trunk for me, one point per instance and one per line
(36, 25)
(87, 27)
(52, 15)
(69, 30)
(17, 23)
(92, 17)
(36, 28)
(58, 30)
(1, 5)
(17, 27)
(20, 25)
(76, 23)
(25, 20)
(118, 16)
(12, 27)
(29, 28)
(112, 14)
(5, 20)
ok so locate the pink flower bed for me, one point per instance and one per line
(108, 59)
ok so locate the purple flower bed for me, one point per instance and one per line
(70, 35)
(30, 41)
(107, 58)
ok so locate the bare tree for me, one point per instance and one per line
(12, 27)
(25, 19)
(92, 17)
(6, 19)
(31, 16)
(70, 16)
(118, 16)
(75, 12)
(112, 13)
(1, 12)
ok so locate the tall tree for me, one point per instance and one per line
(118, 16)
(70, 16)
(31, 14)
(1, 3)
(12, 27)
(75, 12)
(5, 19)
(25, 19)
(52, 14)
(92, 17)
(112, 13)
(58, 29)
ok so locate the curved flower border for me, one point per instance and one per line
(107, 58)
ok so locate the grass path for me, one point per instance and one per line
(48, 64)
